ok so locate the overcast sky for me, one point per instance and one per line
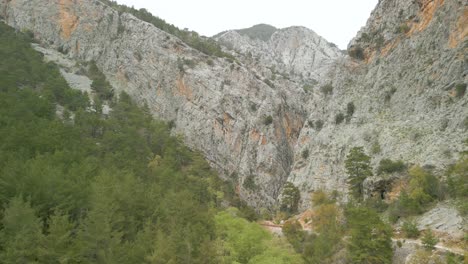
(336, 20)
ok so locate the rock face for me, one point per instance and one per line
(406, 80)
(221, 108)
(296, 52)
(400, 93)
(444, 218)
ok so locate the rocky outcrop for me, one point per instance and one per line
(222, 108)
(292, 105)
(407, 85)
(296, 52)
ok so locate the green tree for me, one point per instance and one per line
(358, 168)
(290, 198)
(57, 246)
(21, 234)
(370, 238)
(429, 240)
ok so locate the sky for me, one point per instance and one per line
(338, 21)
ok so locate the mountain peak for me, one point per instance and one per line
(259, 31)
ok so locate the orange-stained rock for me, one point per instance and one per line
(68, 20)
(461, 30)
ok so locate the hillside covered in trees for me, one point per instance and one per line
(77, 186)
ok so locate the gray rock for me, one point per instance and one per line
(402, 83)
(443, 218)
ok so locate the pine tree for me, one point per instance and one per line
(370, 238)
(358, 168)
(21, 233)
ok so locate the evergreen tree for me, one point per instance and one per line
(21, 234)
(370, 238)
(358, 168)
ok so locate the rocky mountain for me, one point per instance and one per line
(296, 52)
(245, 124)
(400, 94)
(291, 105)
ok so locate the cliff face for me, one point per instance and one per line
(297, 52)
(405, 79)
(220, 108)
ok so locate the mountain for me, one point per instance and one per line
(296, 52)
(282, 105)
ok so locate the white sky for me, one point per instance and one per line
(336, 20)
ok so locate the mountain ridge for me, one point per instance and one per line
(254, 121)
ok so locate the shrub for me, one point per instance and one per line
(307, 88)
(410, 229)
(399, 244)
(318, 125)
(350, 109)
(305, 153)
(339, 118)
(375, 149)
(210, 62)
(327, 89)
(320, 197)
(403, 28)
(310, 123)
(460, 90)
(389, 166)
(356, 52)
(268, 120)
(429, 240)
(269, 83)
(249, 183)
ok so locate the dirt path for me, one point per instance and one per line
(443, 248)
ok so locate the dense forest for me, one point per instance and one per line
(77, 186)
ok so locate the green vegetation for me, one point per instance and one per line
(410, 229)
(22, 67)
(358, 168)
(203, 44)
(85, 188)
(339, 118)
(403, 29)
(100, 85)
(423, 188)
(460, 90)
(318, 125)
(320, 247)
(356, 52)
(305, 153)
(364, 239)
(370, 238)
(429, 240)
(268, 120)
(245, 242)
(249, 183)
(260, 31)
(457, 181)
(389, 166)
(290, 198)
(350, 108)
(327, 89)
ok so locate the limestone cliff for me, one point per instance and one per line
(297, 52)
(406, 77)
(256, 118)
(246, 127)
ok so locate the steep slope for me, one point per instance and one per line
(400, 93)
(406, 79)
(244, 126)
(296, 52)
